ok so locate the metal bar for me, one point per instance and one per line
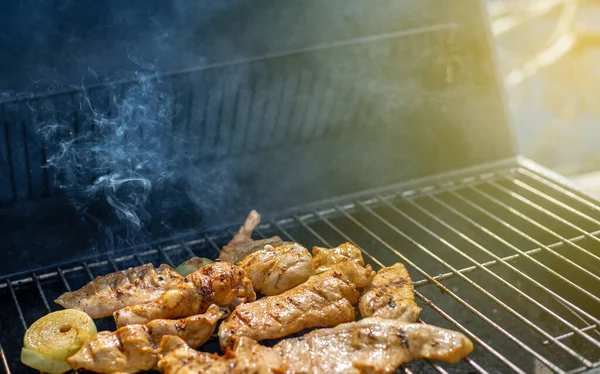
(451, 294)
(16, 301)
(475, 365)
(534, 222)
(553, 200)
(187, 248)
(558, 188)
(523, 234)
(87, 269)
(166, 256)
(534, 241)
(309, 229)
(112, 263)
(213, 244)
(470, 282)
(284, 231)
(4, 361)
(543, 210)
(506, 243)
(64, 279)
(495, 276)
(41, 292)
(469, 269)
(569, 334)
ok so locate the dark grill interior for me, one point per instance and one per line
(506, 255)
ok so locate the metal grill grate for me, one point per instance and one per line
(511, 258)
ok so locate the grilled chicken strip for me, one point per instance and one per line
(220, 283)
(134, 348)
(371, 345)
(391, 295)
(242, 243)
(105, 295)
(325, 299)
(249, 357)
(276, 270)
(325, 259)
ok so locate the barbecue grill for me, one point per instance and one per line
(382, 125)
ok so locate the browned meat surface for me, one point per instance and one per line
(133, 348)
(372, 345)
(195, 330)
(274, 270)
(105, 295)
(242, 243)
(249, 357)
(221, 283)
(326, 299)
(391, 295)
(129, 349)
(325, 259)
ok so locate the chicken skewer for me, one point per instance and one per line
(372, 345)
(326, 299)
(105, 295)
(134, 348)
(221, 283)
(242, 243)
(391, 295)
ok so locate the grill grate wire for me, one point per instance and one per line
(514, 257)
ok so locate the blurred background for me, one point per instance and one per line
(549, 52)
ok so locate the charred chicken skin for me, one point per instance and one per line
(221, 283)
(105, 295)
(326, 299)
(134, 348)
(391, 295)
(274, 270)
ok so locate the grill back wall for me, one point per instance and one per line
(296, 101)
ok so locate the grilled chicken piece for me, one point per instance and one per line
(195, 330)
(325, 259)
(105, 295)
(134, 348)
(371, 345)
(276, 270)
(249, 357)
(242, 243)
(391, 295)
(220, 283)
(326, 299)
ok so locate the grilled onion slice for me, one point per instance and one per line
(54, 337)
(189, 266)
(43, 363)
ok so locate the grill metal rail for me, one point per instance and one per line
(511, 258)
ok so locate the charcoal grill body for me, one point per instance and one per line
(380, 124)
